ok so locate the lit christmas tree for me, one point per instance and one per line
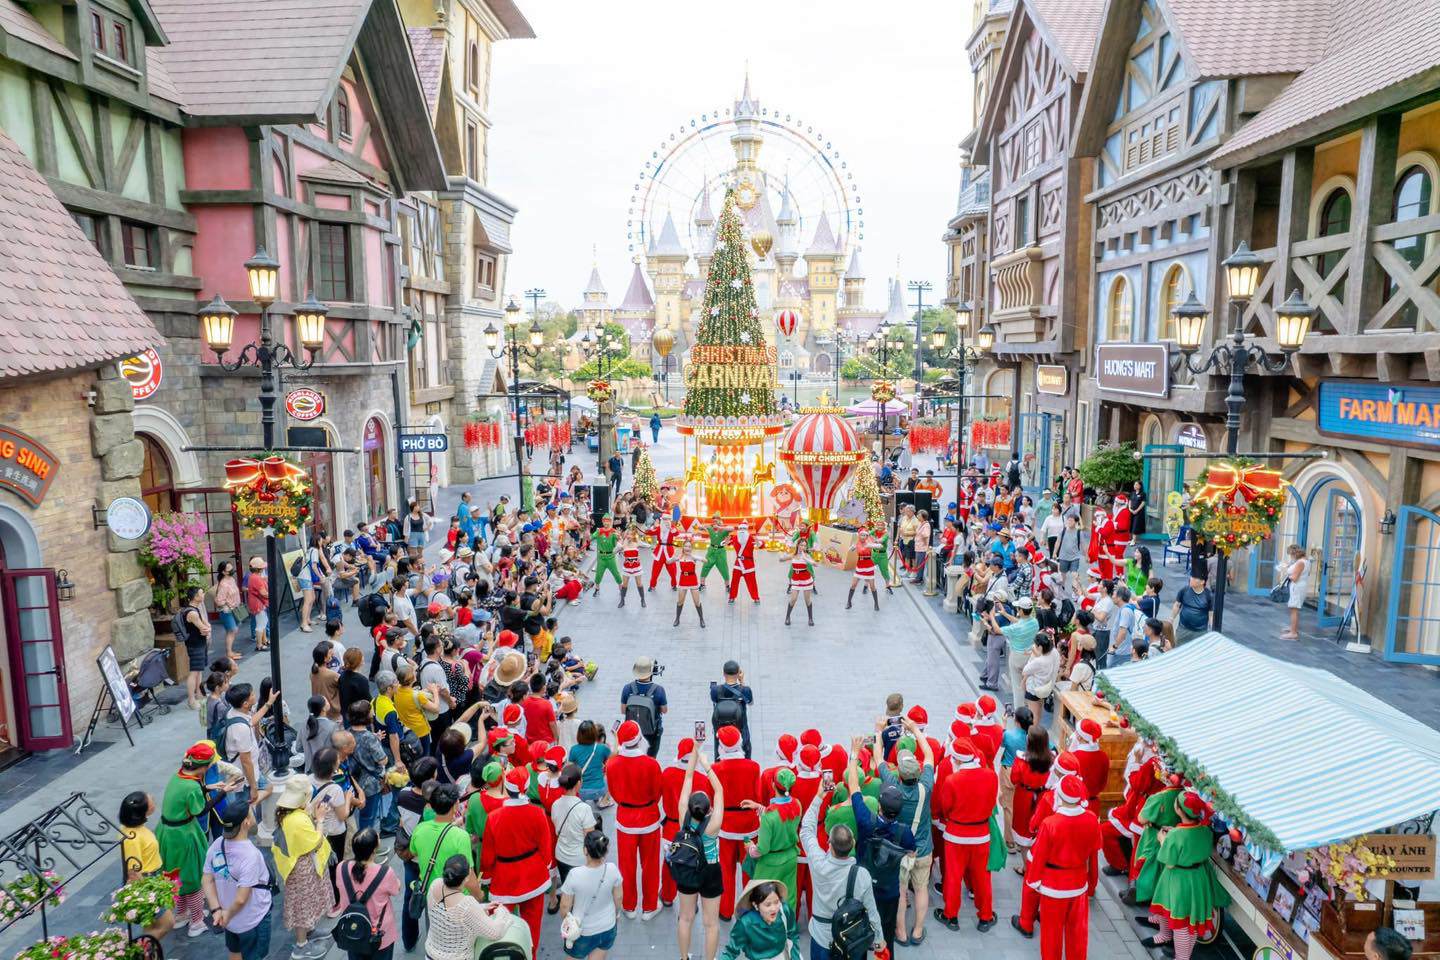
(732, 371)
(867, 491)
(646, 485)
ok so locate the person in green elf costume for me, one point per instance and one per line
(181, 834)
(715, 555)
(605, 554)
(1188, 893)
(805, 532)
(480, 802)
(1158, 814)
(880, 554)
(775, 851)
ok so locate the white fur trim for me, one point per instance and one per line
(732, 753)
(730, 835)
(1070, 810)
(1021, 841)
(1054, 894)
(516, 801)
(522, 897)
(638, 830)
(966, 841)
(806, 773)
(1088, 746)
(635, 748)
(1123, 828)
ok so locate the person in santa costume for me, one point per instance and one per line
(864, 572)
(1065, 765)
(512, 722)
(966, 803)
(630, 566)
(672, 783)
(744, 545)
(965, 501)
(808, 778)
(802, 581)
(1094, 762)
(1030, 777)
(689, 587)
(774, 853)
(1157, 815)
(921, 719)
(741, 779)
(832, 756)
(1188, 894)
(633, 777)
(517, 852)
(605, 539)
(786, 746)
(1144, 775)
(663, 556)
(1062, 870)
(1102, 531)
(715, 557)
(989, 726)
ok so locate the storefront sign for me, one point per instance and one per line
(128, 518)
(373, 439)
(26, 466)
(1142, 369)
(424, 442)
(143, 372)
(1052, 378)
(1389, 413)
(305, 404)
(1192, 435)
(1414, 854)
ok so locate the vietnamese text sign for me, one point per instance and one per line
(1139, 368)
(1413, 853)
(1371, 410)
(26, 466)
(424, 442)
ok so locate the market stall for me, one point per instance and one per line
(1328, 793)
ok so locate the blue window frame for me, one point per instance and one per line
(1412, 630)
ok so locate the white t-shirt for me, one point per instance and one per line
(404, 609)
(572, 818)
(1103, 610)
(592, 888)
(240, 738)
(331, 825)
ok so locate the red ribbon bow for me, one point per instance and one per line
(1224, 480)
(247, 471)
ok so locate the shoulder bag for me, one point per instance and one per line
(1280, 593)
(415, 900)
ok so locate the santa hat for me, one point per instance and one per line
(631, 741)
(966, 713)
(1192, 807)
(517, 781)
(807, 759)
(1094, 572)
(1065, 764)
(1087, 735)
(514, 718)
(729, 741)
(988, 710)
(497, 737)
(555, 757)
(1071, 790)
(812, 738)
(684, 748)
(507, 638)
(200, 755)
(918, 716)
(959, 729)
(964, 751)
(537, 751)
(785, 747)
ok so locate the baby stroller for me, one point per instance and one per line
(147, 675)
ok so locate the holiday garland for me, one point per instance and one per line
(1234, 504)
(882, 391)
(269, 492)
(599, 391)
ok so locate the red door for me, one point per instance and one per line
(37, 658)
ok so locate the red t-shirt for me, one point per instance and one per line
(257, 593)
(539, 715)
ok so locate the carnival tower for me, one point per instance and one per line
(730, 388)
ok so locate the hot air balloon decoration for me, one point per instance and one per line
(761, 241)
(785, 322)
(820, 451)
(664, 341)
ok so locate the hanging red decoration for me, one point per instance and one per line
(559, 437)
(929, 435)
(482, 434)
(785, 322)
(992, 434)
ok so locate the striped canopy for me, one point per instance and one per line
(1314, 759)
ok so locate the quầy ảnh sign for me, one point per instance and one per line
(26, 466)
(1142, 369)
(1405, 414)
(1413, 853)
(1052, 378)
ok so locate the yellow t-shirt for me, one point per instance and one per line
(138, 845)
(544, 640)
(408, 703)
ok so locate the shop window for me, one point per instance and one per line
(332, 262)
(1334, 220)
(138, 241)
(342, 113)
(157, 479)
(1022, 221)
(1119, 312)
(1172, 293)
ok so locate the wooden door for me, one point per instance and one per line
(37, 658)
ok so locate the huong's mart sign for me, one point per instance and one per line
(1142, 369)
(1403, 414)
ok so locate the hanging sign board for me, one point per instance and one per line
(424, 442)
(1192, 435)
(1052, 378)
(128, 518)
(305, 404)
(1142, 369)
(144, 372)
(26, 467)
(1403, 414)
(1414, 854)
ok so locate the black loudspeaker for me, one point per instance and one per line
(919, 499)
(599, 501)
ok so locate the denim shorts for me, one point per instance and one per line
(253, 944)
(227, 619)
(305, 582)
(583, 946)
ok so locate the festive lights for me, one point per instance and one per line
(269, 493)
(1235, 504)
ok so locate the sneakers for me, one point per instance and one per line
(197, 929)
(650, 914)
(633, 914)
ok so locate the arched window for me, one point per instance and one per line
(1172, 293)
(1334, 220)
(787, 359)
(1119, 312)
(472, 66)
(1412, 200)
(342, 113)
(157, 479)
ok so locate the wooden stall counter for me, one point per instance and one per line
(1077, 706)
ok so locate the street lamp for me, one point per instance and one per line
(964, 356)
(1234, 356)
(606, 349)
(217, 326)
(881, 342)
(514, 349)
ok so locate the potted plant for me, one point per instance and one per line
(175, 556)
(1111, 468)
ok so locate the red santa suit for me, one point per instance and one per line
(966, 802)
(663, 556)
(1065, 765)
(633, 778)
(807, 784)
(1143, 779)
(1092, 589)
(518, 851)
(921, 719)
(1094, 762)
(864, 561)
(741, 779)
(1102, 531)
(1122, 514)
(989, 727)
(672, 783)
(1030, 786)
(689, 579)
(965, 501)
(785, 749)
(1062, 870)
(630, 559)
(832, 756)
(744, 569)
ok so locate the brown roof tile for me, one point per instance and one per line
(1227, 39)
(429, 52)
(1074, 25)
(61, 306)
(159, 76)
(18, 22)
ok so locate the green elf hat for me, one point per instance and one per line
(491, 773)
(905, 743)
(785, 778)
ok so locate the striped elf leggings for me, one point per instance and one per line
(190, 908)
(1184, 938)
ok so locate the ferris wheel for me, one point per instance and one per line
(696, 161)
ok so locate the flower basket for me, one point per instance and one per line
(111, 943)
(142, 901)
(176, 555)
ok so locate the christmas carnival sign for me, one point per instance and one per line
(269, 493)
(1234, 504)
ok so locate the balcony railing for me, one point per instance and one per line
(1020, 314)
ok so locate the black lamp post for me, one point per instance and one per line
(606, 350)
(514, 349)
(881, 344)
(919, 288)
(964, 356)
(843, 340)
(1234, 356)
(217, 325)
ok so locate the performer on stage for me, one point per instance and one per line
(715, 553)
(1062, 870)
(663, 556)
(880, 553)
(805, 533)
(689, 587)
(864, 572)
(605, 539)
(630, 566)
(744, 545)
(802, 581)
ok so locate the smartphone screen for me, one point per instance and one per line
(615, 727)
(827, 781)
(699, 731)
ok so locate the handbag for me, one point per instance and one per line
(1280, 593)
(570, 925)
(415, 900)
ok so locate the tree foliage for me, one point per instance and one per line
(1111, 467)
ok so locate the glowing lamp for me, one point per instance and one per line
(1292, 322)
(1242, 272)
(310, 323)
(1190, 318)
(217, 324)
(263, 272)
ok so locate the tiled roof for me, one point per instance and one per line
(335, 172)
(595, 285)
(18, 22)
(1074, 25)
(668, 244)
(1227, 39)
(159, 76)
(429, 52)
(61, 307)
(512, 19)
(1373, 48)
(824, 242)
(637, 295)
(240, 58)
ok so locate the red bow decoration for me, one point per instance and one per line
(1223, 481)
(246, 471)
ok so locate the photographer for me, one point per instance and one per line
(732, 699)
(643, 701)
(1017, 631)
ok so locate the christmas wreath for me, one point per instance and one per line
(1235, 504)
(271, 492)
(599, 391)
(883, 391)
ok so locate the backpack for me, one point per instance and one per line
(332, 607)
(729, 710)
(641, 708)
(354, 931)
(372, 609)
(686, 858)
(850, 933)
(179, 626)
(883, 855)
(217, 731)
(298, 565)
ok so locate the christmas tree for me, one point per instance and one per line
(867, 491)
(731, 371)
(645, 485)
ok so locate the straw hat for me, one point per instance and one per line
(511, 668)
(745, 893)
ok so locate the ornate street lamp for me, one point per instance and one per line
(514, 348)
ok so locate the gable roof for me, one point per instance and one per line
(21, 24)
(1379, 55)
(428, 49)
(61, 306)
(510, 17)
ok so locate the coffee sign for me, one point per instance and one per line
(26, 466)
(1142, 369)
(143, 372)
(1051, 378)
(305, 404)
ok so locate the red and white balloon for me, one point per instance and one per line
(785, 321)
(820, 451)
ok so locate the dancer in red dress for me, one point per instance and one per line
(689, 587)
(1144, 777)
(1094, 762)
(630, 571)
(966, 802)
(1062, 870)
(635, 784)
(864, 571)
(744, 545)
(518, 851)
(663, 556)
(802, 581)
(741, 781)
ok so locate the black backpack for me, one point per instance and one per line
(354, 931)
(883, 856)
(372, 609)
(640, 707)
(850, 934)
(217, 734)
(729, 710)
(686, 858)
